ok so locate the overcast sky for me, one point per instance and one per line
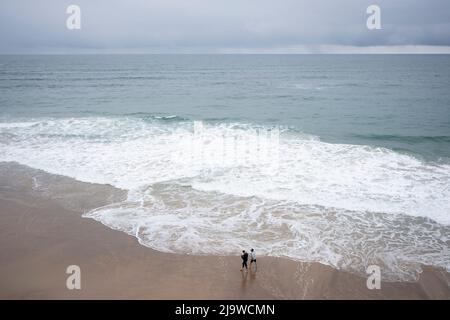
(224, 26)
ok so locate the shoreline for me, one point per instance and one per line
(42, 232)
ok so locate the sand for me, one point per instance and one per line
(42, 232)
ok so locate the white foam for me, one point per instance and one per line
(173, 217)
(129, 153)
(357, 178)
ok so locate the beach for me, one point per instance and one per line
(42, 233)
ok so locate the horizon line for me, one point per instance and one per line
(281, 50)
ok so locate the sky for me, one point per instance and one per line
(224, 26)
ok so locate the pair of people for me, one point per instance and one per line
(244, 258)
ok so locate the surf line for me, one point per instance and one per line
(191, 310)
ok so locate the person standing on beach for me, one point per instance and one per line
(252, 257)
(244, 258)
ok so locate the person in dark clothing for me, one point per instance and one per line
(244, 258)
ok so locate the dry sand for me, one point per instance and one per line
(42, 232)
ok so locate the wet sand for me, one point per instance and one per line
(42, 232)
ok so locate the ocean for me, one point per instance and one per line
(357, 171)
